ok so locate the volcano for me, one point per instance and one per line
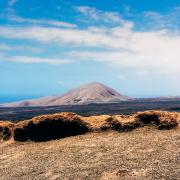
(86, 94)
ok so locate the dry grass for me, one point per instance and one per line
(127, 122)
(6, 130)
(107, 122)
(60, 125)
(48, 127)
(95, 122)
(111, 124)
(161, 119)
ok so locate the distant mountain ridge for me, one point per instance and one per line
(86, 94)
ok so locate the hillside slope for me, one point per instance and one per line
(90, 93)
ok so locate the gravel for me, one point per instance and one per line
(145, 153)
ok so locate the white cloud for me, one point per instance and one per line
(24, 59)
(88, 11)
(155, 62)
(98, 15)
(121, 46)
(1, 55)
(7, 47)
(10, 8)
(11, 15)
(12, 2)
(168, 20)
(33, 60)
(4, 47)
(156, 52)
(78, 37)
(41, 22)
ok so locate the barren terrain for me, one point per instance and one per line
(145, 145)
(145, 153)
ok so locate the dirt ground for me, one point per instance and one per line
(145, 153)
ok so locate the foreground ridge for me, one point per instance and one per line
(61, 125)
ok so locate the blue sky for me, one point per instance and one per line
(48, 47)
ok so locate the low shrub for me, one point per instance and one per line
(148, 117)
(6, 130)
(111, 124)
(49, 127)
(162, 119)
(131, 125)
(95, 122)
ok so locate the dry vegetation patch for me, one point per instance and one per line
(111, 124)
(60, 125)
(95, 122)
(6, 130)
(161, 119)
(48, 127)
(107, 122)
(127, 122)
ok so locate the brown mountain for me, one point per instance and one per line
(85, 94)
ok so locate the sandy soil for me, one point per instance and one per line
(145, 153)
